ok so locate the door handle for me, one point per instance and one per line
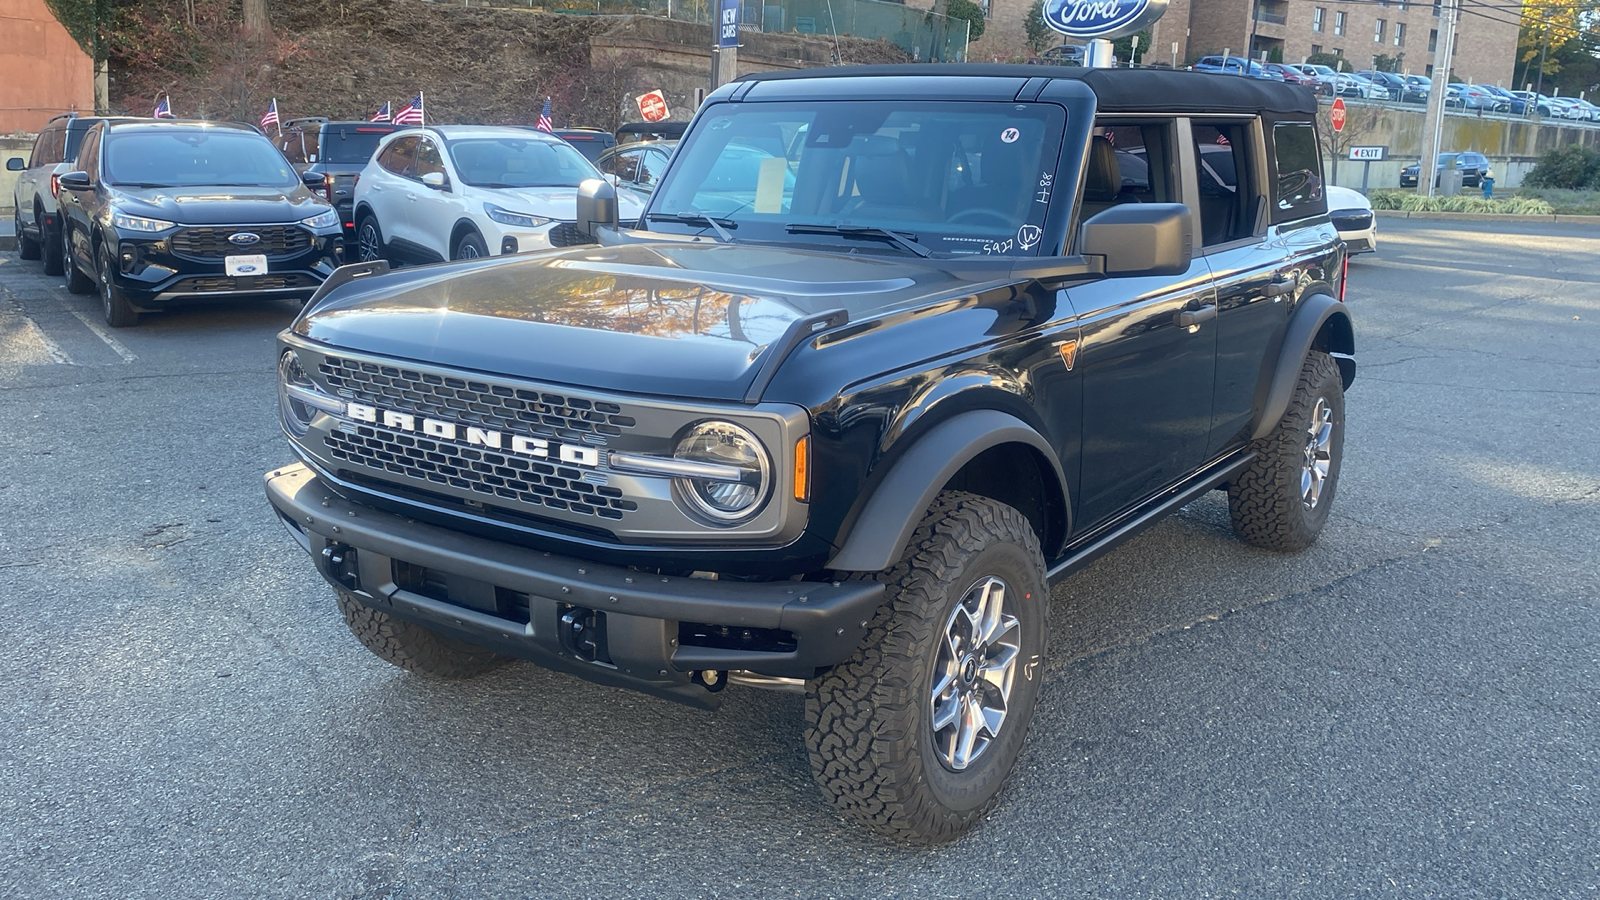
(1191, 317)
(1279, 286)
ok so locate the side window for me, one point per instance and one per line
(289, 143)
(651, 166)
(41, 149)
(1299, 172)
(399, 157)
(89, 156)
(626, 165)
(428, 161)
(1222, 154)
(1144, 160)
(310, 145)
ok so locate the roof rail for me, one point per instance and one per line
(72, 114)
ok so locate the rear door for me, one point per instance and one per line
(388, 184)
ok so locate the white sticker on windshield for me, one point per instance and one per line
(769, 185)
(1028, 236)
(1010, 135)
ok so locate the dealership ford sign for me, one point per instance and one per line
(1102, 19)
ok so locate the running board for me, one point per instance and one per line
(1101, 542)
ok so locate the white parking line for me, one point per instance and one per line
(115, 345)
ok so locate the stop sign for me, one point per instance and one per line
(1337, 114)
(653, 106)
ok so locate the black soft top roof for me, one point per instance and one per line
(1115, 90)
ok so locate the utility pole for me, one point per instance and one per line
(1436, 95)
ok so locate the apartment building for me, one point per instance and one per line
(1359, 30)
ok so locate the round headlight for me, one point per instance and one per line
(745, 479)
(296, 413)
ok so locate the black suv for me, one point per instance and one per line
(160, 212)
(1471, 165)
(834, 422)
(335, 152)
(36, 207)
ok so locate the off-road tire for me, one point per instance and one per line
(1266, 500)
(77, 282)
(869, 729)
(470, 246)
(118, 311)
(27, 247)
(414, 647)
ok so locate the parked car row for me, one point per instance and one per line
(152, 213)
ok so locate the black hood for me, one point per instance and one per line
(202, 205)
(674, 319)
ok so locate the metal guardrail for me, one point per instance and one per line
(1462, 112)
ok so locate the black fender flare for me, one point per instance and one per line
(884, 527)
(1318, 314)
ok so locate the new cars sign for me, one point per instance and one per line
(1102, 19)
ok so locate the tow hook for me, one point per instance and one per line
(712, 679)
(339, 565)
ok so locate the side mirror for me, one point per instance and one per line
(15, 164)
(597, 206)
(311, 179)
(1140, 239)
(436, 181)
(74, 181)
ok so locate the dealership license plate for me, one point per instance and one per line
(245, 266)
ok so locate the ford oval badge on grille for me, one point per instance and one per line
(244, 238)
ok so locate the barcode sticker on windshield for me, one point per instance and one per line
(769, 186)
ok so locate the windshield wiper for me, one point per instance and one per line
(694, 218)
(904, 241)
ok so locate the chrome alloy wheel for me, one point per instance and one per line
(974, 673)
(1318, 454)
(467, 251)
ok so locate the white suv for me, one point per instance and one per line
(465, 191)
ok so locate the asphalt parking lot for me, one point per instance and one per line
(1409, 709)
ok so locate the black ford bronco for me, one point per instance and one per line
(893, 351)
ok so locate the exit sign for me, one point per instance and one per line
(1369, 154)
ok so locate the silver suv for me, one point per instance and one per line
(38, 222)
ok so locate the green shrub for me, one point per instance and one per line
(1565, 202)
(1468, 203)
(1389, 199)
(1573, 167)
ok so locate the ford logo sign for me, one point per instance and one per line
(244, 238)
(1102, 19)
(246, 269)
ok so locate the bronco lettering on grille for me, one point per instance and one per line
(538, 448)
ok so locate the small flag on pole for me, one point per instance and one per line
(544, 123)
(163, 109)
(271, 116)
(383, 114)
(411, 113)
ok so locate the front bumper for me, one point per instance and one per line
(637, 630)
(151, 275)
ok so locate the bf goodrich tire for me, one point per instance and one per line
(1281, 501)
(915, 734)
(413, 647)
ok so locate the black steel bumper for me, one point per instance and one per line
(608, 624)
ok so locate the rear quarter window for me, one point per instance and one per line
(1298, 188)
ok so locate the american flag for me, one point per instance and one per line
(163, 110)
(271, 116)
(544, 123)
(411, 113)
(382, 115)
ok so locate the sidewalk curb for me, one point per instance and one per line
(1485, 217)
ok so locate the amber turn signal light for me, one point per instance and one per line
(802, 469)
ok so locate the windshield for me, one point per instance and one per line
(520, 162)
(197, 157)
(954, 178)
(1445, 159)
(351, 145)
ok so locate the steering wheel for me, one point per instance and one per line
(981, 212)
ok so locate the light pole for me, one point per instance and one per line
(1544, 46)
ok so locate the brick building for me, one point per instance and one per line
(1358, 30)
(43, 72)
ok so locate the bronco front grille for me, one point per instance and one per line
(221, 283)
(213, 243)
(471, 401)
(550, 485)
